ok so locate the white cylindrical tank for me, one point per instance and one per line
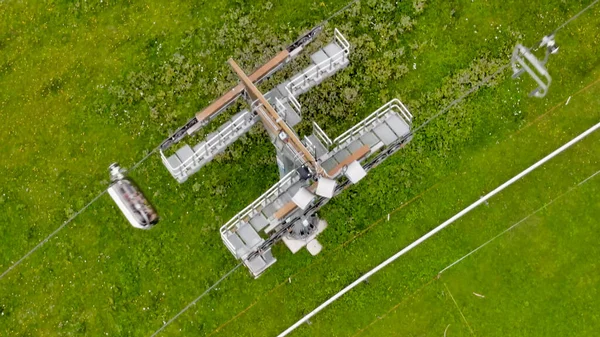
(130, 200)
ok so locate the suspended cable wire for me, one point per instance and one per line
(69, 220)
(196, 300)
(456, 101)
(574, 17)
(339, 11)
(520, 221)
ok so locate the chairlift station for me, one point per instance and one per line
(313, 169)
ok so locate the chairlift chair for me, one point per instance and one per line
(523, 60)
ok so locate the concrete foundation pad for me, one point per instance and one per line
(296, 245)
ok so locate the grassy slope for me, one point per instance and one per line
(98, 277)
(548, 265)
(478, 174)
(536, 281)
(58, 62)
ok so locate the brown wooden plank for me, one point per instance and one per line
(354, 156)
(256, 95)
(285, 210)
(290, 206)
(267, 67)
(272, 129)
(219, 103)
(235, 91)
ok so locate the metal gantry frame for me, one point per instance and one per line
(279, 224)
(313, 169)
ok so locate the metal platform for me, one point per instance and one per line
(386, 125)
(188, 160)
(271, 212)
(312, 170)
(325, 62)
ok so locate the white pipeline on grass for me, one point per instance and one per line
(439, 228)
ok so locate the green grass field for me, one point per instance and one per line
(83, 85)
(406, 278)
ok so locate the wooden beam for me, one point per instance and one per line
(285, 210)
(234, 93)
(273, 129)
(363, 150)
(215, 106)
(269, 66)
(275, 118)
(270, 125)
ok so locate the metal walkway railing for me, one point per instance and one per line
(213, 144)
(392, 106)
(316, 71)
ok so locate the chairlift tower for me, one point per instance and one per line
(313, 169)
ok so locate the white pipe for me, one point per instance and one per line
(439, 228)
